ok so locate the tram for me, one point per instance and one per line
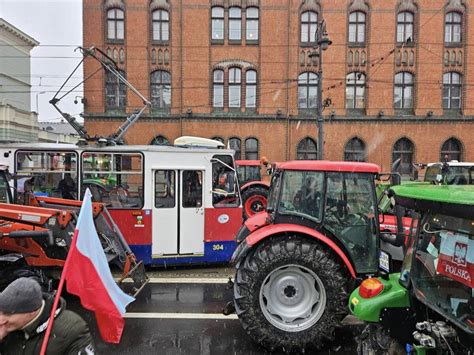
(174, 204)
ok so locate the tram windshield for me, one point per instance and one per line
(115, 179)
(225, 188)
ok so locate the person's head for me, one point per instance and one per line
(264, 161)
(20, 302)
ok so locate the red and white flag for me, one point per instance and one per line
(456, 258)
(88, 276)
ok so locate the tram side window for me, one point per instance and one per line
(52, 174)
(225, 189)
(115, 179)
(165, 188)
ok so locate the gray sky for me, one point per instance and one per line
(57, 25)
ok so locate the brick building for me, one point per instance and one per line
(397, 79)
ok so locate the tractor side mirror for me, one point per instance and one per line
(395, 179)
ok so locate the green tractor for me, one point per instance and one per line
(427, 307)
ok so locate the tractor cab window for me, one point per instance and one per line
(442, 271)
(248, 173)
(115, 179)
(350, 214)
(225, 188)
(4, 187)
(302, 194)
(52, 174)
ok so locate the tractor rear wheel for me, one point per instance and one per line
(290, 293)
(254, 200)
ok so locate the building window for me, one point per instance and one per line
(357, 27)
(309, 24)
(452, 27)
(355, 90)
(403, 91)
(405, 24)
(160, 89)
(307, 90)
(307, 149)
(251, 30)
(234, 144)
(160, 140)
(251, 149)
(355, 150)
(235, 24)
(219, 139)
(234, 87)
(218, 94)
(115, 91)
(451, 150)
(115, 24)
(161, 25)
(402, 157)
(451, 91)
(251, 89)
(218, 23)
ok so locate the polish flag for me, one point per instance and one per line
(88, 276)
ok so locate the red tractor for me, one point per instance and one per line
(297, 262)
(254, 180)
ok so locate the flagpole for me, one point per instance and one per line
(44, 346)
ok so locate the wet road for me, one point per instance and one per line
(183, 316)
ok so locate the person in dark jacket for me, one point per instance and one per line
(24, 317)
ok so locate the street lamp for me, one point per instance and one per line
(37, 94)
(323, 42)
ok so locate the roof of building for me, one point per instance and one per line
(57, 127)
(18, 33)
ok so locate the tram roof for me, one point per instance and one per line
(116, 148)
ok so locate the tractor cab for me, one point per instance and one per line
(431, 298)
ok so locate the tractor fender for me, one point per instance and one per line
(271, 230)
(245, 186)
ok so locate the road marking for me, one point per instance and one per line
(180, 315)
(184, 280)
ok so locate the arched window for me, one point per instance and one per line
(307, 90)
(218, 90)
(251, 30)
(451, 150)
(160, 89)
(355, 150)
(355, 90)
(307, 149)
(452, 27)
(402, 156)
(405, 24)
(234, 87)
(251, 88)
(217, 14)
(234, 144)
(160, 140)
(235, 23)
(451, 91)
(251, 149)
(309, 24)
(403, 91)
(160, 25)
(357, 27)
(115, 24)
(115, 91)
(217, 138)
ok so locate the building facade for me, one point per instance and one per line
(17, 122)
(396, 80)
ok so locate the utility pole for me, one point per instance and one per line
(322, 43)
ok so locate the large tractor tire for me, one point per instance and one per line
(375, 340)
(291, 293)
(254, 200)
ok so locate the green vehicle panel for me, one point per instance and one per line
(394, 295)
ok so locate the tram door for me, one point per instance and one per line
(178, 213)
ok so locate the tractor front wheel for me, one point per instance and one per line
(290, 293)
(254, 200)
